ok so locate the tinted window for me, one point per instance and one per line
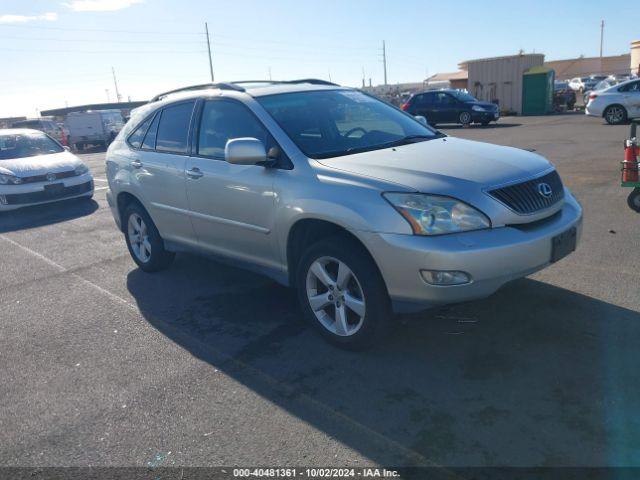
(342, 122)
(173, 130)
(150, 138)
(224, 120)
(443, 99)
(135, 139)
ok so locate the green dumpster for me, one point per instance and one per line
(537, 91)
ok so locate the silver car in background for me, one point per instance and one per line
(35, 169)
(616, 104)
(356, 204)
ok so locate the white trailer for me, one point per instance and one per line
(93, 127)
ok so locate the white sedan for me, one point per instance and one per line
(616, 104)
(36, 169)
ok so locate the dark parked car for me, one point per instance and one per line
(563, 94)
(451, 106)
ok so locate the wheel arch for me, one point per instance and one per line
(306, 231)
(123, 200)
(605, 109)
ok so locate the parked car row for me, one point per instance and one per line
(80, 129)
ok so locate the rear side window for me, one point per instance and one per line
(135, 139)
(173, 130)
(150, 138)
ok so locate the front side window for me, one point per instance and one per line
(342, 122)
(464, 97)
(224, 120)
(173, 129)
(27, 145)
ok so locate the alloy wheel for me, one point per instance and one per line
(615, 115)
(335, 296)
(139, 238)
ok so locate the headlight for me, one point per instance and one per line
(436, 215)
(478, 108)
(9, 179)
(81, 169)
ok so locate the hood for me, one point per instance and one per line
(486, 105)
(40, 165)
(446, 166)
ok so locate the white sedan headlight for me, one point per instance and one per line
(437, 215)
(9, 179)
(478, 108)
(81, 169)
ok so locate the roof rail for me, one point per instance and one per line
(313, 81)
(221, 86)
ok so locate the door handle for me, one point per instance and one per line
(194, 173)
(136, 164)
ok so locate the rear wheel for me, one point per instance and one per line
(464, 118)
(342, 293)
(633, 200)
(615, 115)
(144, 241)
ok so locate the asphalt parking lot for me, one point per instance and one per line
(204, 364)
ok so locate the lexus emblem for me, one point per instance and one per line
(51, 177)
(545, 190)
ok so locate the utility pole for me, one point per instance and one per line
(206, 28)
(106, 90)
(363, 85)
(601, 36)
(269, 73)
(384, 60)
(115, 83)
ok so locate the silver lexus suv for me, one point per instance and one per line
(364, 209)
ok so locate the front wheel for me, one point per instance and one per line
(615, 115)
(342, 293)
(633, 200)
(144, 241)
(464, 118)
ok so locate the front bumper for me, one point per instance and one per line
(25, 195)
(481, 117)
(492, 257)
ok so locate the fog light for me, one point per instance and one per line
(438, 277)
(3, 200)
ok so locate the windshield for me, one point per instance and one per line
(341, 122)
(20, 145)
(463, 96)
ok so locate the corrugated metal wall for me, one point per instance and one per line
(500, 79)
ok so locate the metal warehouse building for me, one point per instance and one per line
(499, 79)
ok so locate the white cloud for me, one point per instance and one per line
(100, 5)
(48, 17)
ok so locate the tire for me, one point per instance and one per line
(148, 253)
(366, 313)
(633, 200)
(615, 115)
(79, 146)
(464, 119)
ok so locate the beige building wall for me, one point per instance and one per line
(635, 57)
(500, 79)
(585, 66)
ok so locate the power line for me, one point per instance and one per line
(104, 30)
(94, 40)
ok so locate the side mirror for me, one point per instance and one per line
(244, 151)
(422, 120)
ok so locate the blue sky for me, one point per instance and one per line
(61, 52)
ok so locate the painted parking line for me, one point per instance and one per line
(100, 179)
(100, 188)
